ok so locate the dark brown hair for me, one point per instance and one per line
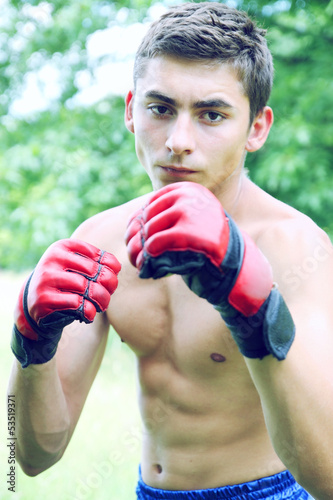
(211, 31)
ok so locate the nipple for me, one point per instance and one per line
(215, 356)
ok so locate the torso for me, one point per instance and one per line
(203, 422)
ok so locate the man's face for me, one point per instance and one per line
(191, 122)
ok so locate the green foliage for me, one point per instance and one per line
(295, 164)
(63, 165)
(59, 170)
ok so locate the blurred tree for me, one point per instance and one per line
(296, 163)
(62, 164)
(58, 171)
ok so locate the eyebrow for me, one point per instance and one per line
(206, 103)
(212, 103)
(159, 96)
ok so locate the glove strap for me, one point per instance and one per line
(34, 352)
(29, 351)
(259, 326)
(270, 331)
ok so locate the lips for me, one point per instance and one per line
(177, 170)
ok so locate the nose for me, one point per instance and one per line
(181, 136)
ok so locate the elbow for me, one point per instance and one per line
(319, 487)
(34, 467)
(29, 470)
(317, 481)
(295, 465)
(34, 460)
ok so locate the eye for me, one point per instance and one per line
(213, 117)
(160, 110)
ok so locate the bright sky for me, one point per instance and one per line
(117, 45)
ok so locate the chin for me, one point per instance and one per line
(158, 184)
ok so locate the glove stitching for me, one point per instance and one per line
(99, 269)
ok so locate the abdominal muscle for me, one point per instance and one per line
(203, 425)
(206, 440)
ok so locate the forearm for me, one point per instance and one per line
(42, 418)
(298, 405)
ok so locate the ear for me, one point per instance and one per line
(260, 129)
(129, 101)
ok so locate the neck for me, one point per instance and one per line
(231, 192)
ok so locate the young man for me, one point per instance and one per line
(234, 342)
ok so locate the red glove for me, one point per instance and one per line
(184, 230)
(72, 281)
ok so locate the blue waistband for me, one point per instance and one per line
(277, 487)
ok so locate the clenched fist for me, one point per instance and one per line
(73, 281)
(183, 229)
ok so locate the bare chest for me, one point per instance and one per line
(164, 320)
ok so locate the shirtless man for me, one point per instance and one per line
(249, 406)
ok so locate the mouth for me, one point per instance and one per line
(177, 171)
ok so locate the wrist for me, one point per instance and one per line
(29, 351)
(30, 343)
(242, 290)
(270, 331)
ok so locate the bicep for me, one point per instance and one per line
(79, 356)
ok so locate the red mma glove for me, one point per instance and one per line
(184, 230)
(72, 281)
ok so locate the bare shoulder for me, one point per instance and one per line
(106, 230)
(290, 235)
(299, 251)
(281, 231)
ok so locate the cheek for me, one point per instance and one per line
(145, 144)
(231, 144)
(148, 140)
(224, 155)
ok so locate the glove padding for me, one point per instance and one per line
(184, 230)
(72, 281)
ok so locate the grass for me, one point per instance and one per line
(102, 459)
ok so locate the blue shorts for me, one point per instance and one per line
(278, 487)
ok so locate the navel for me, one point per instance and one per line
(158, 468)
(215, 356)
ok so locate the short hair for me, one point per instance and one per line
(211, 31)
